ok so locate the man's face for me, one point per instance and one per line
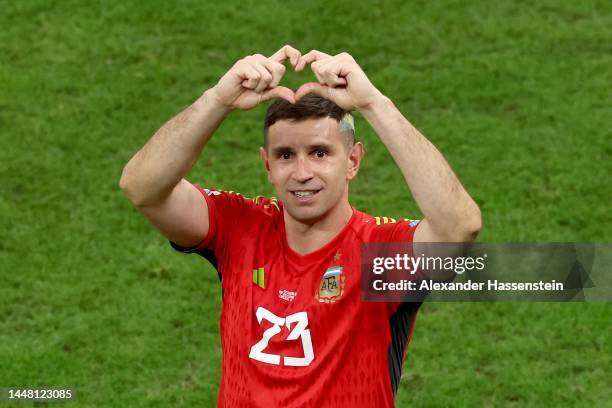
(310, 164)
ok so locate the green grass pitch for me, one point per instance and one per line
(515, 94)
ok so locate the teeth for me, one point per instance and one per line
(303, 193)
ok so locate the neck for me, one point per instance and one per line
(304, 238)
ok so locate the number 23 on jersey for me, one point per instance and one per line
(300, 330)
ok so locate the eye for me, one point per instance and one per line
(319, 154)
(285, 156)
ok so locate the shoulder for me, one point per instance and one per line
(373, 228)
(269, 205)
(239, 205)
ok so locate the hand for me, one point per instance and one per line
(254, 79)
(341, 80)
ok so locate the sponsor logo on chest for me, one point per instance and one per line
(286, 295)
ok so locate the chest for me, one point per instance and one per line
(284, 311)
(268, 277)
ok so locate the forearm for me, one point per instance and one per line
(168, 156)
(436, 189)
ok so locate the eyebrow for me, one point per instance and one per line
(287, 149)
(320, 146)
(277, 151)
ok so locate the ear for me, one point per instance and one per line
(355, 156)
(263, 155)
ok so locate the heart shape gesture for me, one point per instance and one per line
(255, 79)
(341, 80)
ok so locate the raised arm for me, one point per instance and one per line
(154, 180)
(450, 214)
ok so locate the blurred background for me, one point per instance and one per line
(516, 95)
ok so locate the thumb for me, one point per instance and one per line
(312, 87)
(279, 92)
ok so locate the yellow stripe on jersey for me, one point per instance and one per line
(258, 277)
(384, 220)
(273, 203)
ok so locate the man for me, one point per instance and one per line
(294, 330)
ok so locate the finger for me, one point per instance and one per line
(342, 66)
(275, 68)
(329, 70)
(309, 58)
(285, 52)
(318, 74)
(278, 71)
(312, 87)
(337, 72)
(250, 75)
(266, 77)
(279, 92)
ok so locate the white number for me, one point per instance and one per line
(258, 348)
(299, 330)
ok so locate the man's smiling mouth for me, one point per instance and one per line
(304, 193)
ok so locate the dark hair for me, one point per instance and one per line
(311, 106)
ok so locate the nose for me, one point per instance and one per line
(302, 171)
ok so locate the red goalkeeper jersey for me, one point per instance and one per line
(294, 330)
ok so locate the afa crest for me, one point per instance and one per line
(332, 285)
